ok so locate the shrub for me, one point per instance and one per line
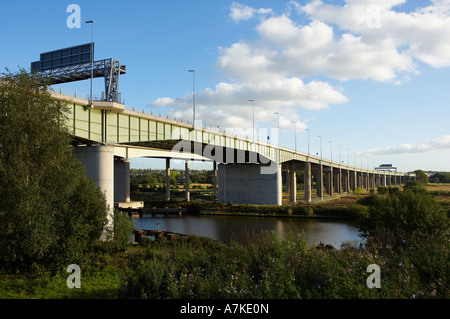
(358, 211)
(408, 213)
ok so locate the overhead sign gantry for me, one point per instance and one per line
(74, 64)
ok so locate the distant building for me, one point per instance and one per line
(386, 167)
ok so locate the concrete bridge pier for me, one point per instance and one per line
(329, 180)
(187, 195)
(319, 181)
(250, 184)
(167, 179)
(99, 163)
(354, 181)
(308, 182)
(292, 186)
(121, 180)
(337, 180)
(346, 181)
(215, 178)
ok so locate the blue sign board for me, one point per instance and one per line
(75, 55)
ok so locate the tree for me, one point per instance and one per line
(406, 217)
(422, 176)
(50, 212)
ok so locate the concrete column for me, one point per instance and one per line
(246, 184)
(215, 178)
(122, 180)
(330, 182)
(187, 194)
(307, 182)
(347, 188)
(339, 181)
(384, 180)
(99, 163)
(167, 178)
(320, 182)
(293, 186)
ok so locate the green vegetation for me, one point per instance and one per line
(405, 232)
(440, 177)
(50, 213)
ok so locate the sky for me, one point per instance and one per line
(371, 77)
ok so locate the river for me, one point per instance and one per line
(223, 228)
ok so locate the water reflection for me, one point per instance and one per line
(223, 228)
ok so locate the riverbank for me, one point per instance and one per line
(338, 207)
(261, 265)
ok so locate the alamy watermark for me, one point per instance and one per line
(240, 151)
(374, 280)
(373, 20)
(74, 280)
(74, 19)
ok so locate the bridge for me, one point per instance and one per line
(106, 135)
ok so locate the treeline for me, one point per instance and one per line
(432, 177)
(155, 176)
(439, 177)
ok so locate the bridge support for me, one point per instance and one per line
(215, 178)
(99, 163)
(308, 182)
(245, 184)
(187, 193)
(167, 178)
(122, 180)
(293, 186)
(329, 180)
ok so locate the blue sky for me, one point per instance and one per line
(371, 76)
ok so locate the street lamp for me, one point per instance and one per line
(308, 140)
(340, 161)
(295, 135)
(193, 95)
(331, 150)
(92, 57)
(320, 147)
(253, 116)
(278, 132)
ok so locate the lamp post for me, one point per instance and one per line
(278, 127)
(308, 140)
(92, 58)
(295, 135)
(320, 147)
(193, 96)
(253, 116)
(331, 150)
(340, 160)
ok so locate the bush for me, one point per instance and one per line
(50, 212)
(123, 229)
(411, 215)
(358, 211)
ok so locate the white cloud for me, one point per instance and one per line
(439, 143)
(242, 12)
(228, 106)
(162, 102)
(338, 41)
(422, 34)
